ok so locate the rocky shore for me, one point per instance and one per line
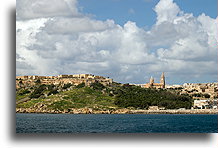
(115, 111)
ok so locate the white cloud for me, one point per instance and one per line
(77, 25)
(63, 41)
(30, 9)
(25, 37)
(133, 48)
(209, 25)
(166, 10)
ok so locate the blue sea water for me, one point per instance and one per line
(115, 123)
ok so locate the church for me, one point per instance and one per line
(151, 83)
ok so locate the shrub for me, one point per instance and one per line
(61, 105)
(206, 95)
(67, 85)
(132, 96)
(26, 91)
(55, 91)
(34, 95)
(38, 81)
(198, 95)
(97, 86)
(81, 85)
(51, 87)
(38, 91)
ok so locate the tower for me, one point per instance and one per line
(151, 80)
(162, 80)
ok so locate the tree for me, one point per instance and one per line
(132, 96)
(51, 87)
(26, 91)
(206, 95)
(38, 91)
(81, 85)
(38, 81)
(67, 85)
(97, 86)
(55, 91)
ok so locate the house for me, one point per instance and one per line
(153, 108)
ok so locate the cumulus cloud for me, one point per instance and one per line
(77, 25)
(166, 10)
(61, 40)
(30, 9)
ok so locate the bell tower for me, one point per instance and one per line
(162, 80)
(151, 80)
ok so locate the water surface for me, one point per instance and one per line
(115, 123)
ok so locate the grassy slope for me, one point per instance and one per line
(75, 98)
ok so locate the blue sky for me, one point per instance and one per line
(141, 11)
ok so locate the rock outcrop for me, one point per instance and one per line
(42, 109)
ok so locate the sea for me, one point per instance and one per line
(116, 123)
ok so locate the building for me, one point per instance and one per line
(201, 88)
(151, 83)
(153, 108)
(88, 79)
(201, 104)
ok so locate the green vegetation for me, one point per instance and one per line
(38, 81)
(87, 97)
(38, 91)
(81, 85)
(61, 105)
(137, 97)
(53, 92)
(30, 103)
(51, 87)
(67, 85)
(99, 97)
(201, 95)
(75, 98)
(97, 86)
(20, 97)
(23, 92)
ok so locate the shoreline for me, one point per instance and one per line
(118, 111)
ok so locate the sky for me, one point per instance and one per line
(141, 11)
(126, 40)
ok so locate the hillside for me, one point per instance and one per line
(53, 98)
(96, 97)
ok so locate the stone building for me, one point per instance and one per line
(153, 108)
(201, 104)
(24, 81)
(151, 83)
(201, 88)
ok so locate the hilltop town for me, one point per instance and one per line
(204, 95)
(38, 93)
(27, 81)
